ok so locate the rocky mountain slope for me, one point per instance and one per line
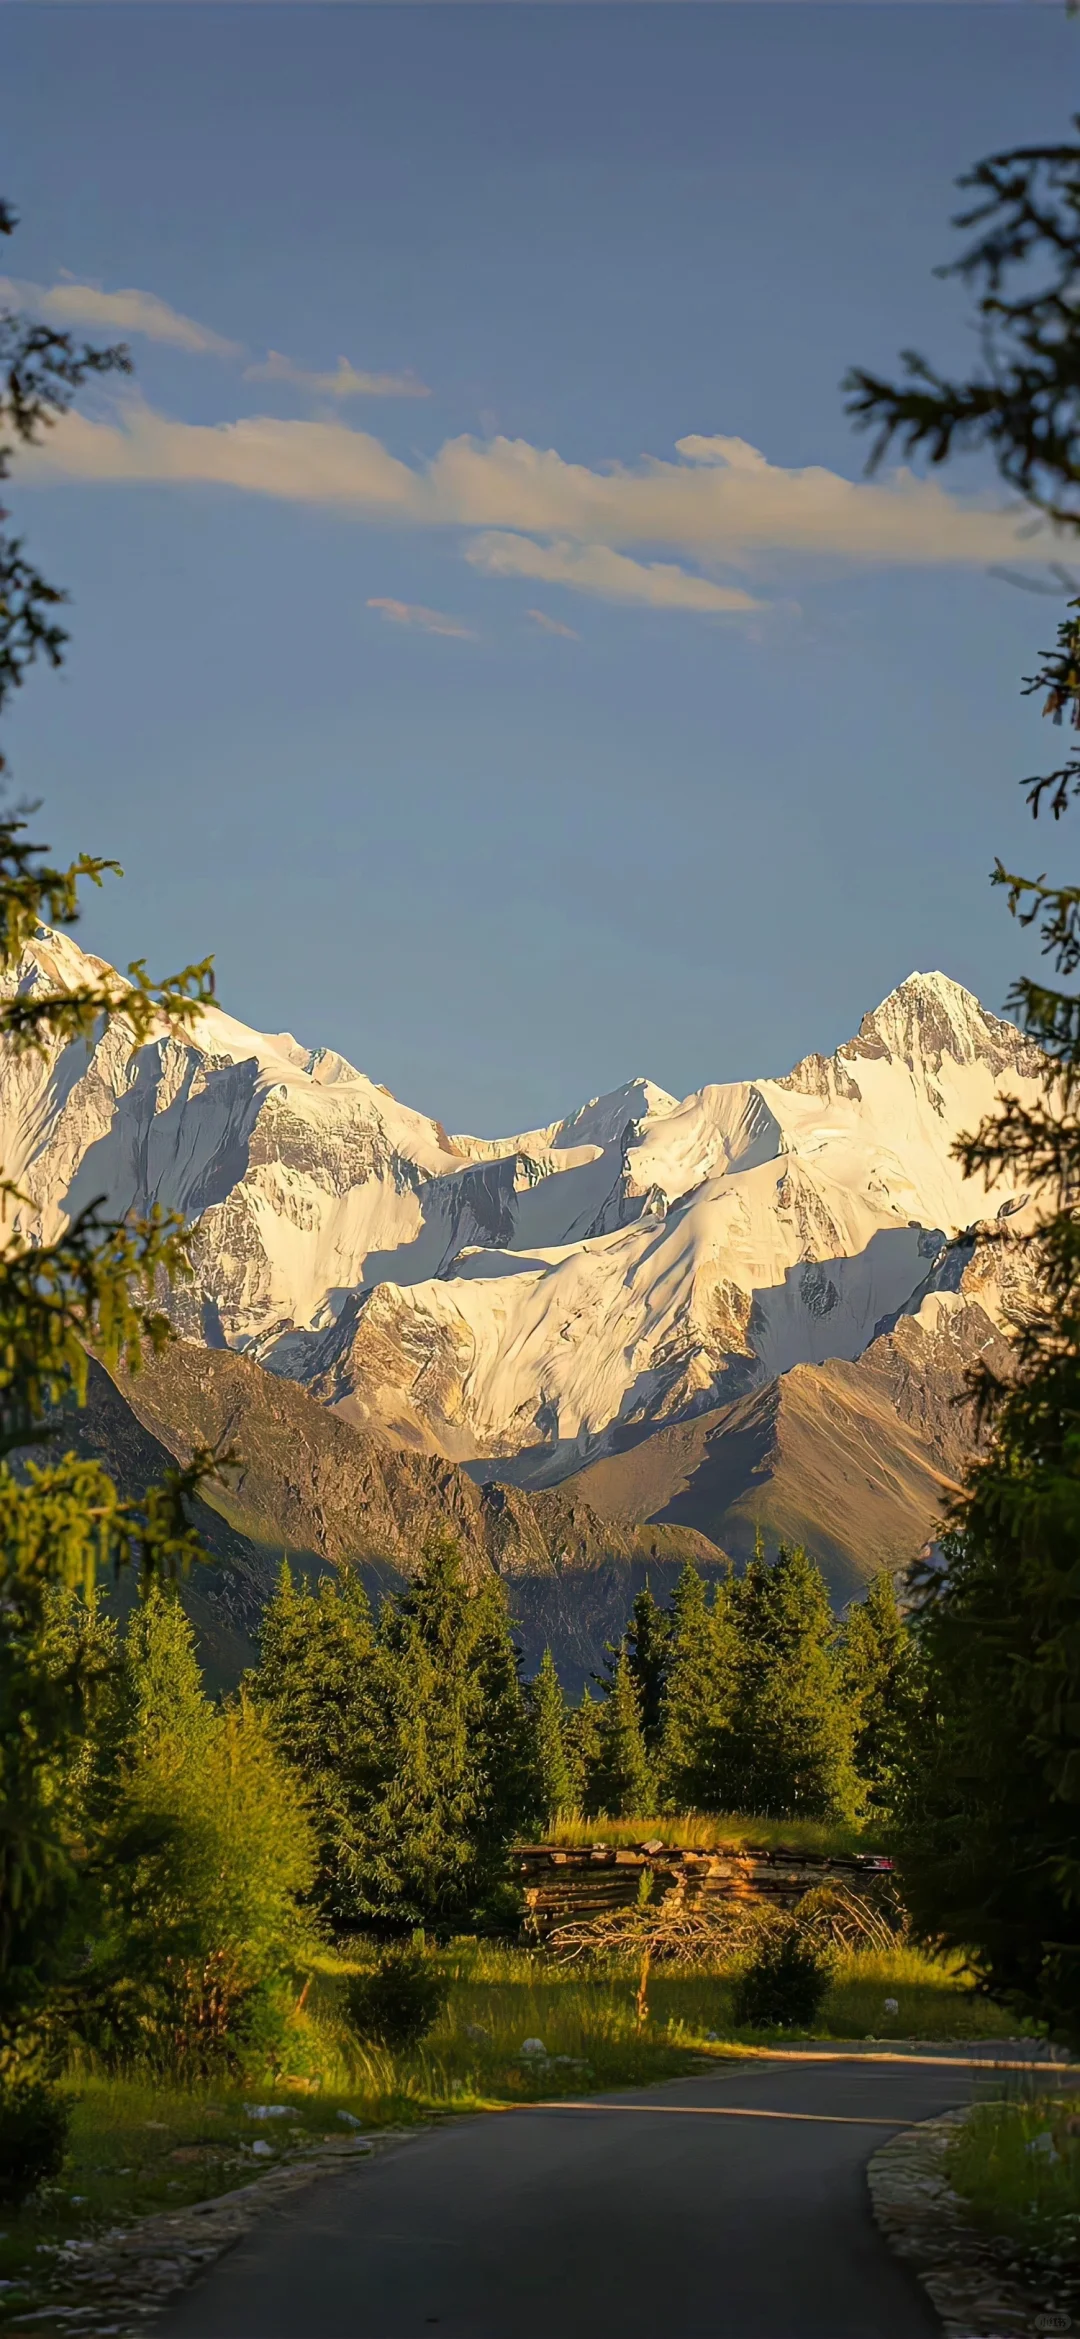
(858, 1460)
(313, 1488)
(705, 1284)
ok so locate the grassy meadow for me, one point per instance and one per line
(139, 2146)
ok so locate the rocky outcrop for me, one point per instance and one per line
(312, 1488)
(858, 1460)
(525, 1301)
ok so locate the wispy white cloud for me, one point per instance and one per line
(344, 382)
(71, 303)
(299, 462)
(720, 506)
(596, 568)
(729, 508)
(428, 620)
(552, 625)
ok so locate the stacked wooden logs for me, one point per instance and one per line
(563, 1881)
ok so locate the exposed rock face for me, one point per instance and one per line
(311, 1487)
(859, 1461)
(523, 1300)
(709, 1280)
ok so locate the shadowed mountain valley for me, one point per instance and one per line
(312, 1487)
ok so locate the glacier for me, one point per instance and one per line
(522, 1304)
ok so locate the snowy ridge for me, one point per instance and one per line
(538, 1299)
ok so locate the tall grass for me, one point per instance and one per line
(138, 2146)
(713, 1831)
(934, 1999)
(500, 1997)
(1016, 2162)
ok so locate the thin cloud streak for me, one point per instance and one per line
(595, 568)
(552, 625)
(72, 303)
(427, 620)
(344, 382)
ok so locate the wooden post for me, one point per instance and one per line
(641, 2000)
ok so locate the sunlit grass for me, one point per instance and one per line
(727, 1830)
(1016, 2162)
(934, 1999)
(138, 2146)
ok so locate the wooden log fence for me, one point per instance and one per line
(565, 1881)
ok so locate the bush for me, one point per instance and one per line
(206, 1862)
(783, 1986)
(400, 2002)
(34, 2122)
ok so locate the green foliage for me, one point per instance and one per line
(988, 1841)
(1021, 2193)
(648, 1649)
(457, 1780)
(582, 1746)
(787, 1746)
(204, 1854)
(549, 1720)
(96, 1284)
(880, 1679)
(697, 1694)
(785, 1983)
(756, 1702)
(991, 1803)
(414, 1740)
(320, 1682)
(40, 371)
(1024, 402)
(34, 2124)
(619, 1779)
(400, 2001)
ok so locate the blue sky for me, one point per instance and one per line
(751, 760)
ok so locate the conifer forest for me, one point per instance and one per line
(557, 1662)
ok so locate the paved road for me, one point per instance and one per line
(650, 2215)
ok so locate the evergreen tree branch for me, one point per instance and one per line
(96, 1285)
(1025, 404)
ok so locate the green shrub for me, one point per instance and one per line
(785, 1983)
(34, 2122)
(207, 1858)
(397, 2004)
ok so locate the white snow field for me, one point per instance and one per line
(541, 1296)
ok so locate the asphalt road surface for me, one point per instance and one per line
(653, 2214)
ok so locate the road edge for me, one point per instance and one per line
(925, 2222)
(120, 2282)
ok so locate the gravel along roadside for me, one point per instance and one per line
(963, 2268)
(116, 2284)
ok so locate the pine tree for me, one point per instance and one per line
(458, 1777)
(97, 1283)
(788, 1743)
(990, 1834)
(549, 1721)
(880, 1681)
(172, 1718)
(583, 1749)
(620, 1782)
(697, 1697)
(648, 1648)
(319, 1682)
(413, 1738)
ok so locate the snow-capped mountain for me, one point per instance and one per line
(533, 1301)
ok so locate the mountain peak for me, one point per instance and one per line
(929, 1016)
